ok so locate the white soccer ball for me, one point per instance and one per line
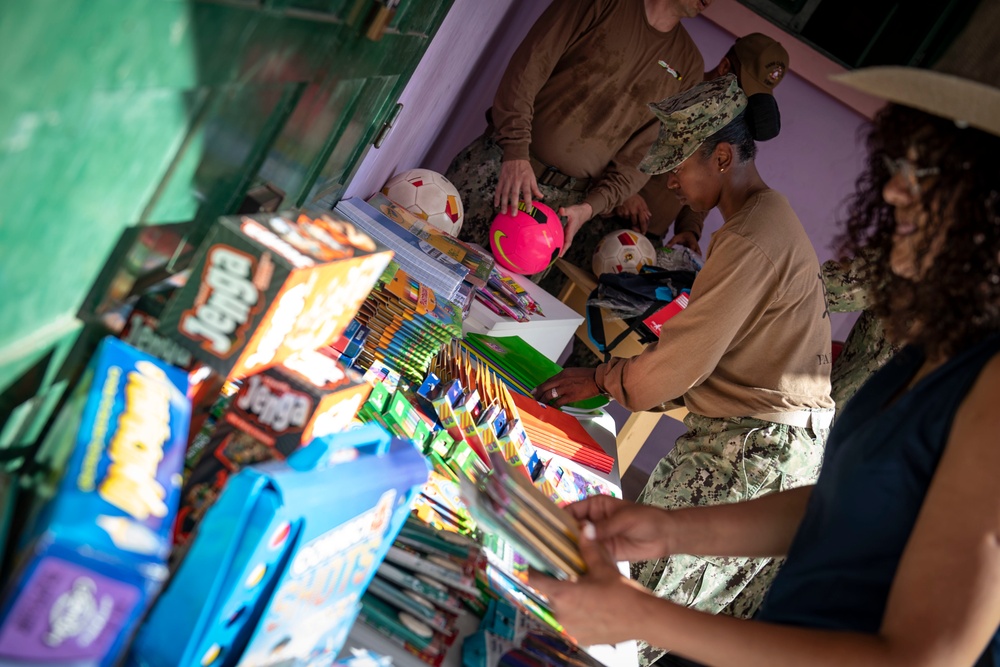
(430, 196)
(623, 251)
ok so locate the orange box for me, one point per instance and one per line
(266, 287)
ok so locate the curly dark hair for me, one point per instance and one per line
(956, 302)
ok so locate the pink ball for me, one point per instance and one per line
(528, 242)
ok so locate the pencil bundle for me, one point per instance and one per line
(408, 324)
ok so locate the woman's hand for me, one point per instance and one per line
(628, 531)
(575, 216)
(516, 182)
(568, 386)
(599, 608)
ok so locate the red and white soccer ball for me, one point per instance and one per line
(429, 195)
(623, 251)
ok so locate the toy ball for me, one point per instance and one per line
(528, 242)
(623, 251)
(428, 195)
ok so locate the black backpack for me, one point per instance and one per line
(632, 297)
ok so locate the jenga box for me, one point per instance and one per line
(275, 412)
(266, 287)
(142, 332)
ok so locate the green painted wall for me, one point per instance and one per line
(124, 112)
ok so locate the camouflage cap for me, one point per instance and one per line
(689, 118)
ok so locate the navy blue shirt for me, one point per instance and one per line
(879, 462)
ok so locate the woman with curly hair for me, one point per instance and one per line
(893, 556)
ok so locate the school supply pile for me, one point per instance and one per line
(407, 324)
(479, 262)
(503, 295)
(421, 260)
(522, 368)
(508, 505)
(507, 637)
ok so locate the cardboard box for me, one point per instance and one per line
(95, 556)
(266, 287)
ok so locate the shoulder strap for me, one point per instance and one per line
(595, 327)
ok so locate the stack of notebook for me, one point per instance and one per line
(522, 368)
(420, 259)
(520, 365)
(507, 504)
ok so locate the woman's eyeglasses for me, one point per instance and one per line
(909, 171)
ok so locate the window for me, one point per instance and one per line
(860, 33)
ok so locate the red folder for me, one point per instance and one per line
(553, 430)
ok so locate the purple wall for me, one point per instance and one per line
(813, 162)
(445, 102)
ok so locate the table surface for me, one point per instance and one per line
(548, 333)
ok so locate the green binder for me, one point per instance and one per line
(521, 365)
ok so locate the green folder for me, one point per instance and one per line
(521, 365)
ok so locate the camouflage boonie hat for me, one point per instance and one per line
(689, 118)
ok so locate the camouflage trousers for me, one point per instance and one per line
(718, 461)
(475, 171)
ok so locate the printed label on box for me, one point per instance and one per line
(67, 612)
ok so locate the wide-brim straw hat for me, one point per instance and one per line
(968, 103)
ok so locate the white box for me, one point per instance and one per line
(549, 334)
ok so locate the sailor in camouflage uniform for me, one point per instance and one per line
(560, 121)
(866, 349)
(749, 357)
